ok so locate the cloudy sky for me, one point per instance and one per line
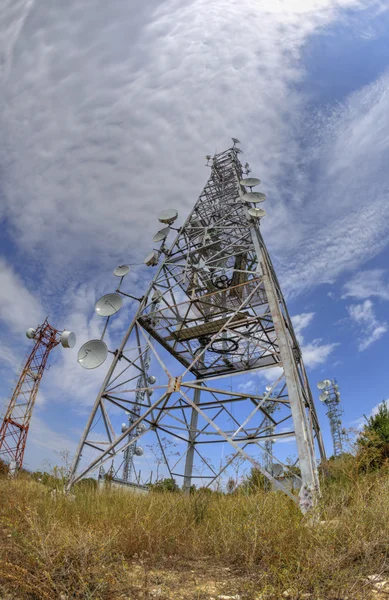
(107, 110)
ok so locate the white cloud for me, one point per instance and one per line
(371, 329)
(300, 322)
(19, 307)
(346, 212)
(93, 98)
(366, 284)
(45, 444)
(314, 353)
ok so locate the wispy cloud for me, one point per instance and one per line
(365, 284)
(370, 328)
(19, 307)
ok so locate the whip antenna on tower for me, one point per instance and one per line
(214, 309)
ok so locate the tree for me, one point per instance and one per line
(373, 442)
(253, 482)
(165, 485)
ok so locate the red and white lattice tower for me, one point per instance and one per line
(16, 422)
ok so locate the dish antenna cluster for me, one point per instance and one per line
(94, 353)
(330, 396)
(15, 426)
(213, 310)
(167, 217)
(251, 199)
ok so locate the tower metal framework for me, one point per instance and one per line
(330, 396)
(221, 314)
(15, 426)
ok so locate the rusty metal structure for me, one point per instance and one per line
(221, 318)
(15, 426)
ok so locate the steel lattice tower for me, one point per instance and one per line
(331, 397)
(221, 314)
(16, 423)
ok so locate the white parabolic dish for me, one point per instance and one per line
(121, 270)
(108, 305)
(161, 235)
(30, 333)
(92, 354)
(250, 182)
(168, 216)
(321, 385)
(257, 213)
(254, 197)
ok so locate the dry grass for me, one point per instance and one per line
(112, 544)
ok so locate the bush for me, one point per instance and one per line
(373, 442)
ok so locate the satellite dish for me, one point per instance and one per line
(141, 428)
(152, 259)
(321, 385)
(336, 387)
(30, 333)
(139, 451)
(323, 397)
(327, 383)
(257, 213)
(250, 182)
(151, 379)
(268, 388)
(68, 339)
(108, 305)
(277, 469)
(168, 216)
(254, 197)
(235, 141)
(161, 234)
(121, 270)
(92, 354)
(124, 427)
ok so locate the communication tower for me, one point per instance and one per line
(221, 314)
(330, 396)
(16, 422)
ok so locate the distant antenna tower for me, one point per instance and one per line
(16, 423)
(143, 381)
(330, 396)
(221, 314)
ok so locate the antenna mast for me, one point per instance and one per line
(16, 422)
(221, 314)
(330, 396)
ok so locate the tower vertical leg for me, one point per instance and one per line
(191, 442)
(305, 446)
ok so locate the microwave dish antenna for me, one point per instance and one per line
(30, 333)
(121, 270)
(254, 197)
(250, 182)
(161, 235)
(168, 216)
(68, 339)
(257, 213)
(92, 354)
(151, 259)
(109, 305)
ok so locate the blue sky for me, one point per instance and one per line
(106, 113)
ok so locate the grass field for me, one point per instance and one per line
(113, 544)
